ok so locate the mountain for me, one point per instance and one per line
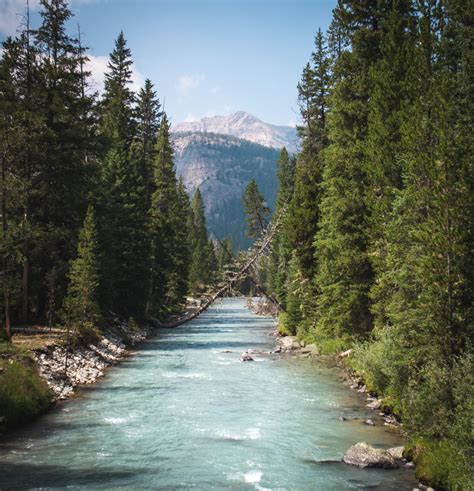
(245, 126)
(221, 166)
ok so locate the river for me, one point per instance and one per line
(184, 413)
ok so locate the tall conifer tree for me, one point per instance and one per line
(81, 308)
(203, 257)
(125, 212)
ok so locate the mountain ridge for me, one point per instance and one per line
(246, 126)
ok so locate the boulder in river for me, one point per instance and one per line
(246, 357)
(364, 455)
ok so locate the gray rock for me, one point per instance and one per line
(369, 422)
(364, 455)
(311, 348)
(396, 452)
(290, 343)
(390, 420)
(374, 405)
(246, 357)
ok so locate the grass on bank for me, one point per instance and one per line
(24, 395)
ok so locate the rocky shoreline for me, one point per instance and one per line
(64, 370)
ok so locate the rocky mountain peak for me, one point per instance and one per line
(246, 126)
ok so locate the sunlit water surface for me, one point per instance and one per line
(184, 413)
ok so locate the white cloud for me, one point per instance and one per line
(215, 90)
(12, 15)
(187, 83)
(97, 65)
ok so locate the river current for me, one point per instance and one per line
(184, 413)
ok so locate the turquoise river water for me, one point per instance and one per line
(184, 413)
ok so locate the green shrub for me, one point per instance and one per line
(435, 397)
(443, 465)
(329, 346)
(283, 324)
(23, 394)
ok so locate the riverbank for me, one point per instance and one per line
(64, 370)
(37, 370)
(352, 379)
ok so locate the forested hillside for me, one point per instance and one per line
(221, 166)
(377, 248)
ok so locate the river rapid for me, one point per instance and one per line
(184, 413)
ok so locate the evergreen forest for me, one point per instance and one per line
(373, 254)
(376, 250)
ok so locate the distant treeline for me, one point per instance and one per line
(377, 248)
(95, 223)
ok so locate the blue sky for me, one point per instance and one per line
(205, 57)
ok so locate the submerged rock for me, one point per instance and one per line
(364, 455)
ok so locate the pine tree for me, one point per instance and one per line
(256, 210)
(178, 276)
(281, 249)
(344, 274)
(168, 229)
(81, 309)
(224, 255)
(203, 262)
(12, 185)
(430, 259)
(302, 220)
(59, 175)
(118, 123)
(148, 115)
(390, 101)
(303, 217)
(124, 217)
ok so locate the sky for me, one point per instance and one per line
(205, 57)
